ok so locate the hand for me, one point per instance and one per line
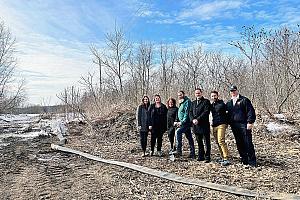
(249, 126)
(195, 121)
(150, 127)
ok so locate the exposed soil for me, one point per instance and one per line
(31, 170)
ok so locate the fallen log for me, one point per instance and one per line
(179, 179)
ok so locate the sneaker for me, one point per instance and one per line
(151, 153)
(159, 153)
(225, 163)
(172, 158)
(207, 160)
(145, 154)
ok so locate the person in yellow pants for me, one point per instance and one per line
(219, 125)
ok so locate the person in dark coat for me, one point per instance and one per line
(219, 125)
(142, 122)
(171, 118)
(241, 116)
(157, 123)
(199, 115)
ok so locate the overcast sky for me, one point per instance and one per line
(53, 36)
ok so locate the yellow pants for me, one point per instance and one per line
(219, 134)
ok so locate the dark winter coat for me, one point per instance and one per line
(158, 117)
(218, 111)
(171, 116)
(142, 117)
(242, 112)
(200, 110)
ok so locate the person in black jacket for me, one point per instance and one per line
(142, 122)
(199, 115)
(157, 123)
(219, 125)
(241, 116)
(171, 118)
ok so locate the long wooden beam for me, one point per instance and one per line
(179, 179)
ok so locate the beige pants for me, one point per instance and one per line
(219, 134)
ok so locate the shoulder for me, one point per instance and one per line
(245, 99)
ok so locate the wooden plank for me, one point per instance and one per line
(179, 179)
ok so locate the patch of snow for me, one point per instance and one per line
(23, 135)
(275, 127)
(2, 144)
(279, 116)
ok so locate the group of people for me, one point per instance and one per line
(193, 116)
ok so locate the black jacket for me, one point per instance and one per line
(218, 111)
(158, 117)
(171, 116)
(241, 112)
(142, 117)
(200, 111)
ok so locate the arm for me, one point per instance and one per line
(138, 116)
(186, 116)
(251, 116)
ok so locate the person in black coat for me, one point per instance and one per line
(157, 123)
(241, 116)
(199, 115)
(142, 122)
(171, 118)
(219, 125)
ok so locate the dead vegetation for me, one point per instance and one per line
(32, 170)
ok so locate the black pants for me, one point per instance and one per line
(156, 135)
(243, 138)
(143, 139)
(203, 133)
(171, 135)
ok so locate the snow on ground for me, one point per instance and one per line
(276, 127)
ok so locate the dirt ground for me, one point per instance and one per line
(31, 170)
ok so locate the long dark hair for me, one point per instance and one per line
(173, 100)
(142, 103)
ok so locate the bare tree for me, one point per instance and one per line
(168, 59)
(117, 56)
(192, 63)
(11, 89)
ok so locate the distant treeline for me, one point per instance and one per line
(37, 109)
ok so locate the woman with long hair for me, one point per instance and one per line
(171, 118)
(142, 122)
(157, 123)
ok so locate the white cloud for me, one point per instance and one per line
(207, 11)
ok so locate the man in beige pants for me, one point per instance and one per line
(219, 124)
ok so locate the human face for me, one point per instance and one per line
(214, 97)
(234, 93)
(170, 104)
(180, 95)
(145, 100)
(157, 99)
(198, 94)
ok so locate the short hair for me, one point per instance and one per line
(198, 89)
(157, 95)
(214, 92)
(181, 91)
(171, 99)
